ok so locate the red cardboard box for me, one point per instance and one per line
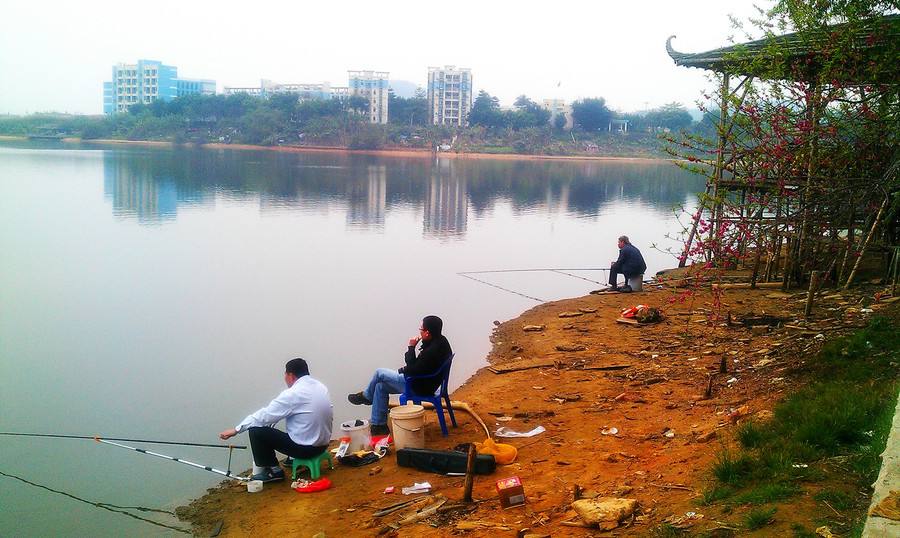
(511, 492)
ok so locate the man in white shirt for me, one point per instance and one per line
(306, 407)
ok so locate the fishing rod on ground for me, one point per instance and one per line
(109, 441)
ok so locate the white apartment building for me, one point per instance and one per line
(557, 107)
(449, 95)
(372, 85)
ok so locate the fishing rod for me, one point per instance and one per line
(529, 270)
(468, 274)
(465, 275)
(95, 437)
(227, 473)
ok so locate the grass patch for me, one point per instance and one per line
(668, 531)
(731, 468)
(715, 494)
(839, 500)
(767, 493)
(759, 518)
(846, 409)
(802, 532)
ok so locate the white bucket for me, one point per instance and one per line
(636, 282)
(254, 486)
(408, 424)
(359, 435)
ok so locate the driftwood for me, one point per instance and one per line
(517, 366)
(439, 500)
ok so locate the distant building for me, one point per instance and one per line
(147, 81)
(557, 107)
(374, 86)
(449, 95)
(304, 91)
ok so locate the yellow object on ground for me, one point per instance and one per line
(503, 454)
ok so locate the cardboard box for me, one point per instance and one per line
(511, 492)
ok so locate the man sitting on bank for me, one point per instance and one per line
(435, 350)
(630, 263)
(306, 407)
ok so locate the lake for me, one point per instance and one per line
(156, 293)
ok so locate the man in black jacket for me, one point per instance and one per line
(435, 350)
(630, 264)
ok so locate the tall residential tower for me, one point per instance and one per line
(449, 95)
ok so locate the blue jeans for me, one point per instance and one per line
(384, 383)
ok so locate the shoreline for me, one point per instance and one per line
(645, 381)
(389, 152)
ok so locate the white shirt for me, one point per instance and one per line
(306, 406)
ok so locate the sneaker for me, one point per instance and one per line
(378, 429)
(269, 476)
(357, 398)
(625, 289)
(288, 462)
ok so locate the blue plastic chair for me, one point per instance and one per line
(435, 399)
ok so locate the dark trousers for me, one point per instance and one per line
(614, 274)
(264, 441)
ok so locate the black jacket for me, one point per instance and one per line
(630, 262)
(430, 359)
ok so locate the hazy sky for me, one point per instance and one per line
(54, 56)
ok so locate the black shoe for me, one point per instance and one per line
(378, 429)
(625, 289)
(269, 476)
(357, 398)
(288, 462)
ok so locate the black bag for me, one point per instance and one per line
(443, 461)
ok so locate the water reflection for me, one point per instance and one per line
(149, 185)
(446, 202)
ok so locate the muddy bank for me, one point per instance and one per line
(628, 416)
(388, 152)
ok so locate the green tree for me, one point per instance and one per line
(591, 114)
(672, 116)
(559, 121)
(528, 114)
(486, 111)
(408, 111)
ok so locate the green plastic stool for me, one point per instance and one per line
(314, 464)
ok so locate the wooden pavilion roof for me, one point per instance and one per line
(870, 50)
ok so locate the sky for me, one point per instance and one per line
(55, 56)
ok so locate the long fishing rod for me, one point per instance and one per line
(227, 474)
(95, 437)
(465, 275)
(532, 270)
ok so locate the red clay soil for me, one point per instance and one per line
(668, 431)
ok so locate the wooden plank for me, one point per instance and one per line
(628, 321)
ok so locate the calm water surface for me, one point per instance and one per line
(157, 293)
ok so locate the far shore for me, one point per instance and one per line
(388, 152)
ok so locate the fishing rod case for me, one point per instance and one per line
(443, 461)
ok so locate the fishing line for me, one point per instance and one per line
(106, 506)
(94, 437)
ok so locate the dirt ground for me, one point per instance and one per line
(668, 429)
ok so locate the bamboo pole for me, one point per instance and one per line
(865, 245)
(813, 287)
